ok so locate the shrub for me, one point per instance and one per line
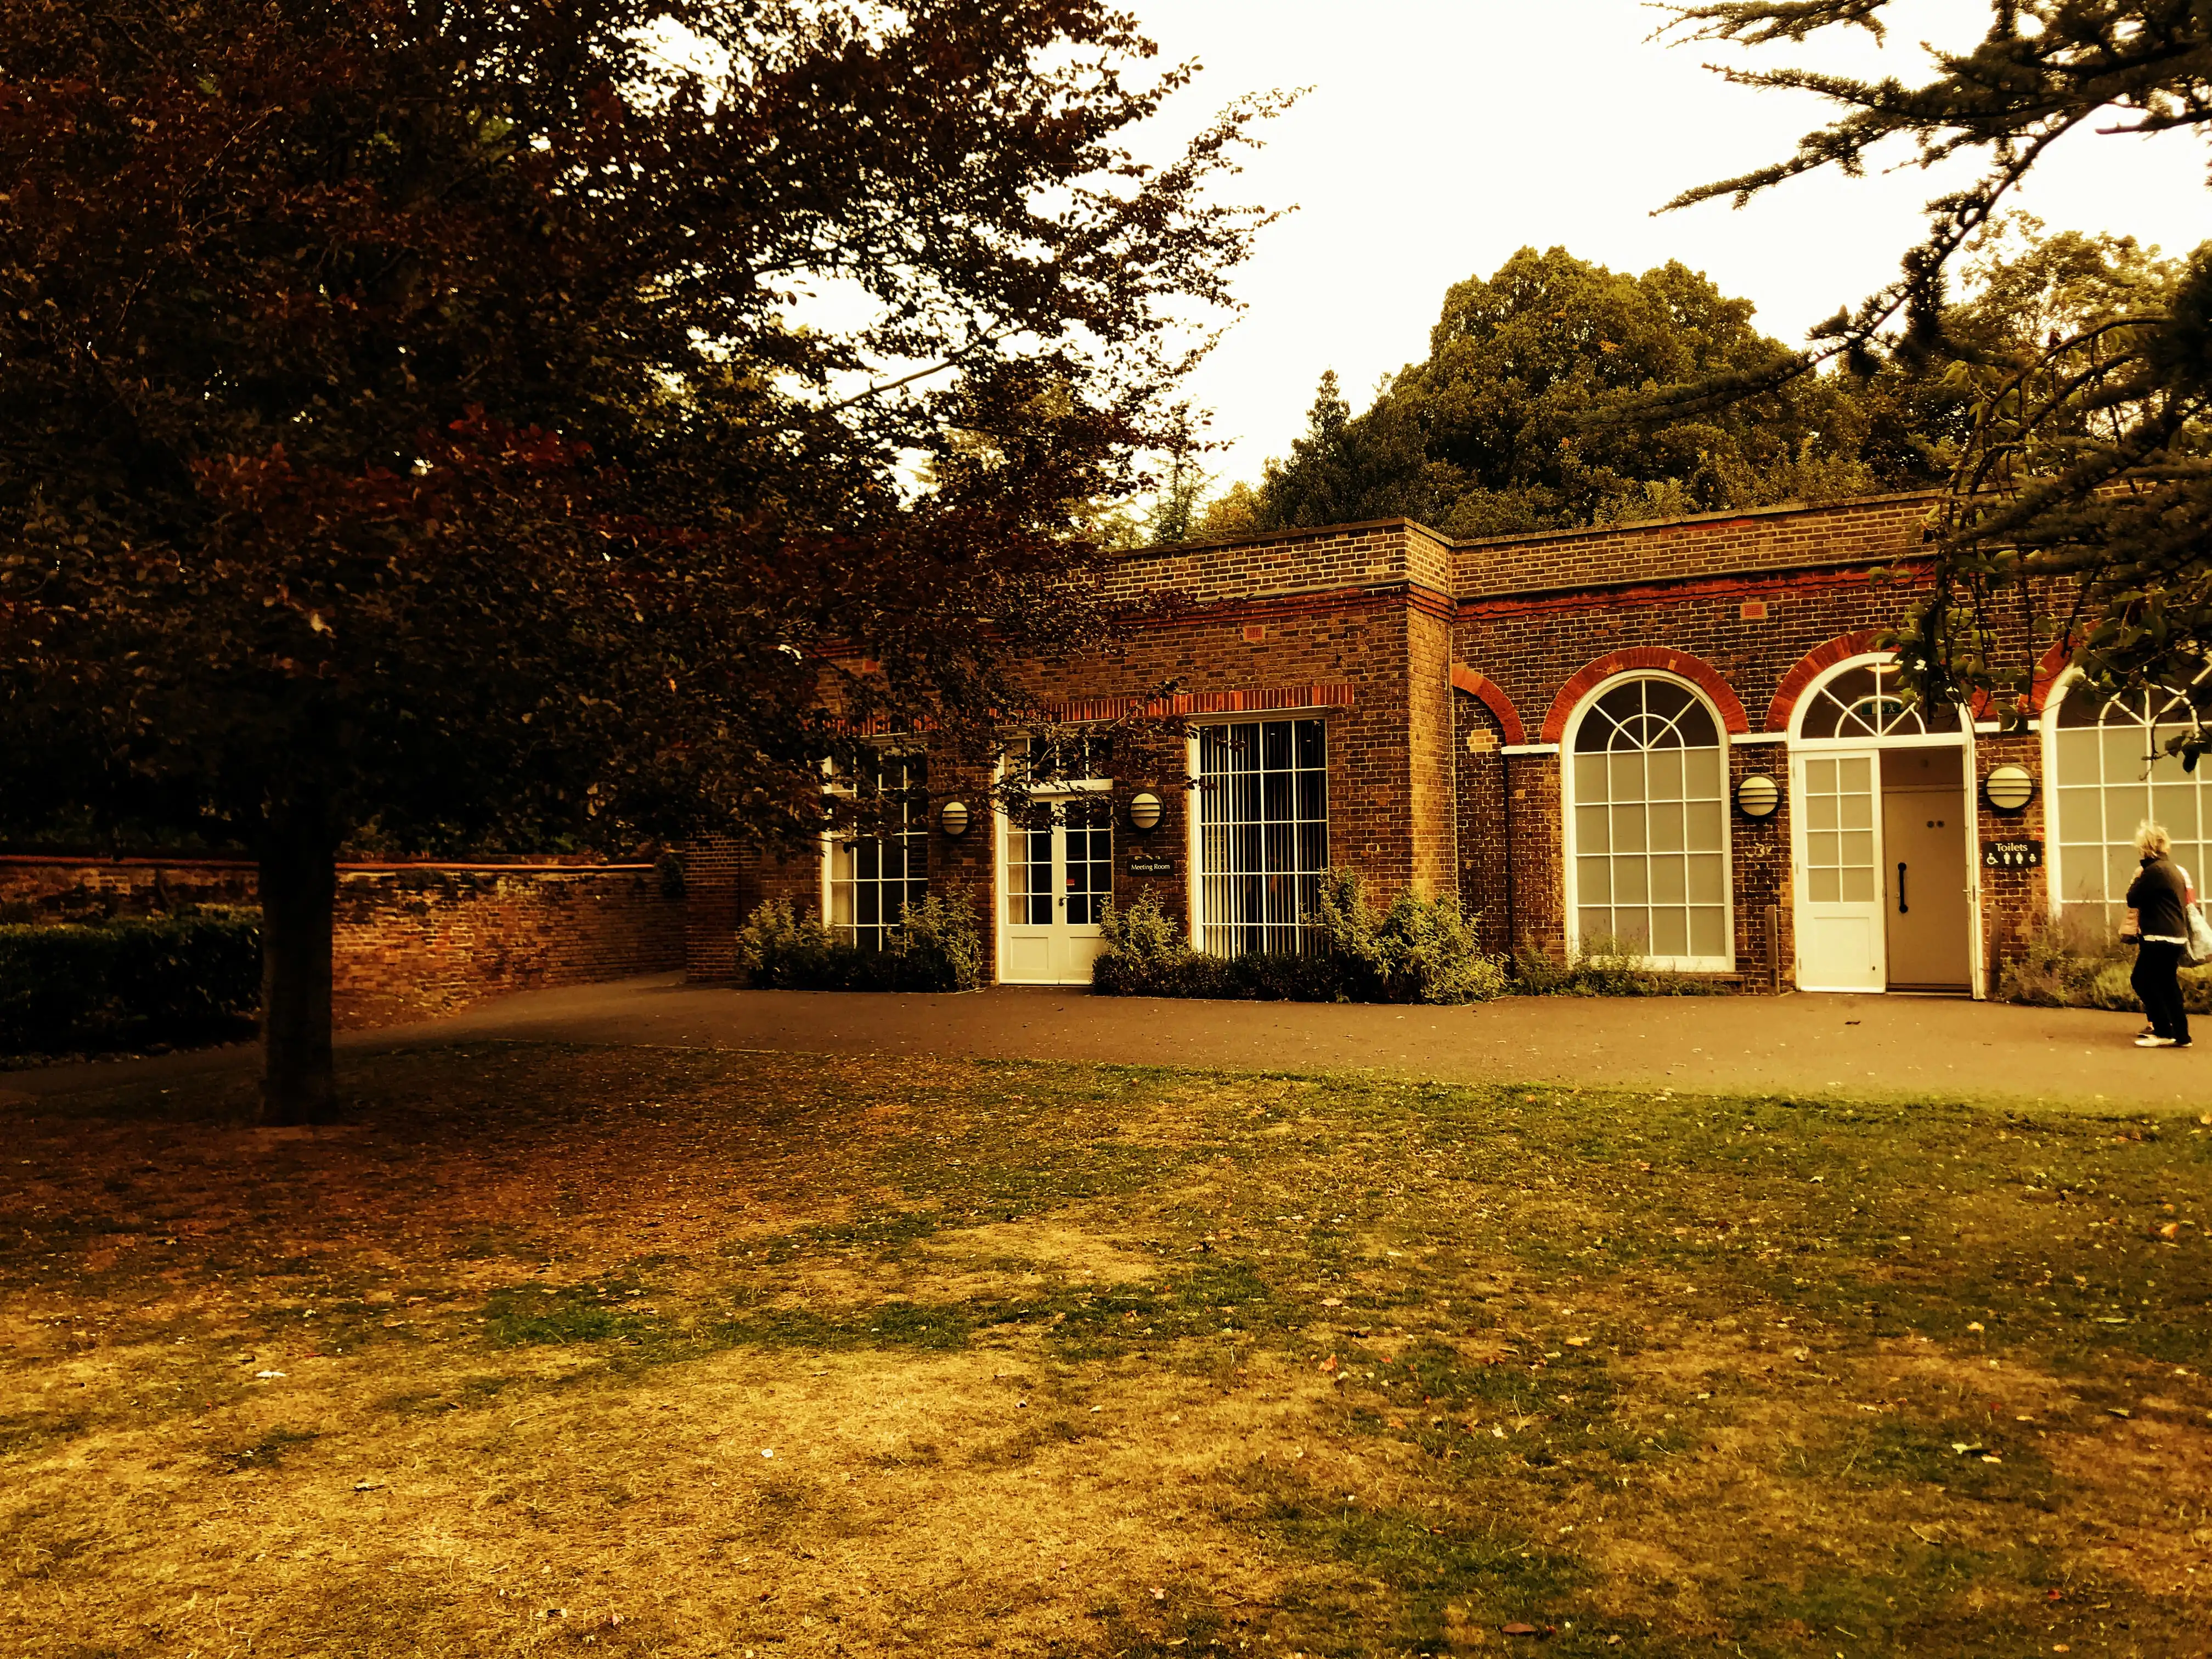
(1606, 967)
(132, 981)
(2072, 962)
(936, 948)
(1417, 951)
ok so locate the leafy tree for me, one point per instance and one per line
(1501, 427)
(2082, 504)
(413, 423)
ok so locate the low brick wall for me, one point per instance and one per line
(413, 941)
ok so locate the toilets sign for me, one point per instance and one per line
(2012, 855)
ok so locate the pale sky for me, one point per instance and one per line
(1441, 135)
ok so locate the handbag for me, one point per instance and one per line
(2198, 950)
(2131, 926)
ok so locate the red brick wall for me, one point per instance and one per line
(1389, 617)
(411, 940)
(1873, 530)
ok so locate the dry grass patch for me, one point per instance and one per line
(656, 1352)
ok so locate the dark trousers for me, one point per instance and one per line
(2157, 981)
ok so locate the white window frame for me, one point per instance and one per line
(1570, 843)
(831, 841)
(1810, 694)
(2054, 849)
(1196, 812)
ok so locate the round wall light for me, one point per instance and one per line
(952, 819)
(2008, 788)
(1144, 812)
(1758, 795)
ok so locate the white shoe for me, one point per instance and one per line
(2154, 1042)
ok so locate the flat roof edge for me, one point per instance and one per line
(1775, 510)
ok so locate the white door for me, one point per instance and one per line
(1839, 887)
(1058, 875)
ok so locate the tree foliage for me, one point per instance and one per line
(1502, 427)
(2080, 505)
(435, 419)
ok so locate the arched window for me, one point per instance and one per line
(1868, 700)
(2110, 769)
(1651, 824)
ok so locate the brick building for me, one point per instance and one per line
(1675, 735)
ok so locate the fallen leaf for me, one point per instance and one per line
(1974, 1325)
(1395, 1422)
(1578, 1342)
(2118, 1411)
(1518, 1629)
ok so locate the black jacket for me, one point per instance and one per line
(2157, 896)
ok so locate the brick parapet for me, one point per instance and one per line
(1876, 530)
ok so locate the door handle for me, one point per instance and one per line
(1902, 906)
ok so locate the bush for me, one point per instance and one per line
(1606, 967)
(2071, 962)
(936, 948)
(131, 982)
(1417, 951)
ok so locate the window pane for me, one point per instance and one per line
(1590, 777)
(1858, 884)
(1702, 774)
(1594, 880)
(1664, 820)
(1669, 880)
(1708, 883)
(1823, 883)
(1670, 932)
(1709, 931)
(1627, 828)
(1707, 823)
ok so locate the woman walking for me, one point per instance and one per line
(2156, 901)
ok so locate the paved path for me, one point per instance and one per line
(1881, 1046)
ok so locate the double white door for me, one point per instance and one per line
(1058, 878)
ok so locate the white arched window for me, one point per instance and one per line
(1866, 701)
(2107, 763)
(1647, 782)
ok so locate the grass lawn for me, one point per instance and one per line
(709, 1353)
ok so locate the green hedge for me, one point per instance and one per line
(1417, 951)
(132, 982)
(936, 948)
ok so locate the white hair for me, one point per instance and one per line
(2151, 838)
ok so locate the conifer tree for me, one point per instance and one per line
(2081, 503)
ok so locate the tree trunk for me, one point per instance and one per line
(299, 891)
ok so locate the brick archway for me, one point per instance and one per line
(1810, 666)
(1696, 670)
(1492, 696)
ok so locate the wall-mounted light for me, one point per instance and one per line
(1144, 812)
(1758, 795)
(2008, 788)
(952, 819)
